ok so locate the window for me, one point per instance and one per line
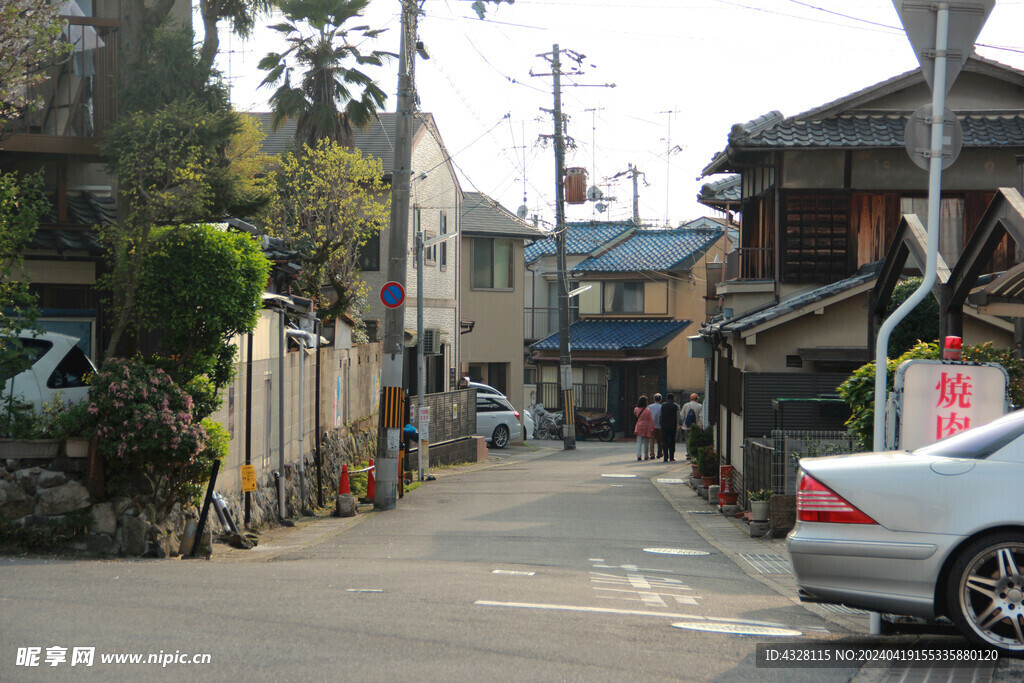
(623, 297)
(492, 263)
(71, 371)
(369, 254)
(444, 245)
(429, 253)
(951, 223)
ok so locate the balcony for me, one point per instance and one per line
(539, 323)
(750, 263)
(77, 103)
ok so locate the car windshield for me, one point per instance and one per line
(980, 442)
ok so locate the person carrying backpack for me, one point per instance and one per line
(691, 415)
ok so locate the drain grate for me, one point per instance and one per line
(675, 551)
(767, 563)
(736, 629)
(702, 512)
(842, 609)
(670, 481)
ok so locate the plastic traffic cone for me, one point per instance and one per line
(343, 485)
(371, 486)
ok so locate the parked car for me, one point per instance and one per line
(528, 424)
(485, 389)
(497, 420)
(934, 532)
(59, 366)
(488, 390)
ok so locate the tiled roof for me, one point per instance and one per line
(882, 130)
(47, 239)
(616, 335)
(580, 238)
(751, 319)
(482, 215)
(648, 250)
(728, 190)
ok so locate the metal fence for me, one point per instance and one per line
(585, 397)
(772, 462)
(452, 414)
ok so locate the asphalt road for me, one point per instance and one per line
(544, 566)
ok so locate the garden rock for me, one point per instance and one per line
(48, 479)
(104, 521)
(26, 478)
(14, 502)
(63, 499)
(136, 535)
(100, 544)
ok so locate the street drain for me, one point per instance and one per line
(736, 629)
(675, 551)
(702, 512)
(671, 481)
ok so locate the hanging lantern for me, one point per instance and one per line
(575, 185)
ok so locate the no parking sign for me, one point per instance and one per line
(392, 294)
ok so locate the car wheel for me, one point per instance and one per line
(985, 593)
(500, 437)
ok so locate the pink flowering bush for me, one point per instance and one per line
(148, 428)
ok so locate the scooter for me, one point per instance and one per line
(602, 427)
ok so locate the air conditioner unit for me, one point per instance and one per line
(431, 341)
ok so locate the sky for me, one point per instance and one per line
(684, 72)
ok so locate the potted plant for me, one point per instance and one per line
(74, 425)
(24, 433)
(759, 504)
(708, 466)
(697, 440)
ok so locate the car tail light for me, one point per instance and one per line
(816, 502)
(516, 413)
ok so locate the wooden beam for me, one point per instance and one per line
(1004, 215)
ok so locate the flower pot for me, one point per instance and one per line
(695, 470)
(727, 498)
(708, 481)
(759, 510)
(76, 447)
(29, 449)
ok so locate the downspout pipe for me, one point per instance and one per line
(301, 334)
(934, 206)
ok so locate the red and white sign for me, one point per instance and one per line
(940, 399)
(392, 294)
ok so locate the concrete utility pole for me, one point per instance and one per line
(564, 359)
(392, 400)
(633, 171)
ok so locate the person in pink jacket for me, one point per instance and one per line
(644, 428)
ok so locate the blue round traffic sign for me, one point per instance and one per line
(392, 294)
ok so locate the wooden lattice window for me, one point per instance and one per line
(815, 237)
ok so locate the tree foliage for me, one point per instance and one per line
(921, 324)
(201, 286)
(859, 390)
(30, 39)
(21, 206)
(329, 202)
(332, 94)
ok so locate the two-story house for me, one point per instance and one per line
(641, 288)
(822, 194)
(434, 207)
(492, 294)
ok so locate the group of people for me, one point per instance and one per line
(657, 424)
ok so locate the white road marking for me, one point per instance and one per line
(632, 567)
(675, 551)
(632, 612)
(512, 572)
(364, 590)
(619, 476)
(596, 559)
(737, 629)
(670, 481)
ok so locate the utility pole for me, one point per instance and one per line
(564, 358)
(636, 194)
(392, 400)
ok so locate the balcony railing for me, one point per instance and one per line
(750, 263)
(78, 99)
(539, 323)
(588, 398)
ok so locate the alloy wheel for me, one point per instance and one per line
(500, 437)
(987, 592)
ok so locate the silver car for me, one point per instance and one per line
(497, 420)
(935, 532)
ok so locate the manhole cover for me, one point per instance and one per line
(619, 476)
(736, 629)
(675, 551)
(671, 481)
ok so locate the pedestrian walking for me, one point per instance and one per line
(669, 424)
(644, 428)
(656, 436)
(691, 415)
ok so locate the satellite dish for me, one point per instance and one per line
(594, 193)
(600, 207)
(521, 211)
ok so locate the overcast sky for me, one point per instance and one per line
(685, 71)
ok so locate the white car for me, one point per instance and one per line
(497, 420)
(59, 366)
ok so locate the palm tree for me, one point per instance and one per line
(330, 97)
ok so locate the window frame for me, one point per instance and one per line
(492, 269)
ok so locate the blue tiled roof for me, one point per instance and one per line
(580, 238)
(616, 335)
(652, 250)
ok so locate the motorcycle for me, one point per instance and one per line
(601, 427)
